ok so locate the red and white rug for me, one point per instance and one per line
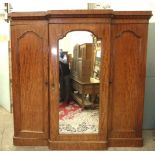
(67, 111)
(74, 120)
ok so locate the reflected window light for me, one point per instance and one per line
(54, 51)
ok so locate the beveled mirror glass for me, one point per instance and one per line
(79, 83)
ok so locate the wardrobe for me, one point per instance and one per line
(34, 56)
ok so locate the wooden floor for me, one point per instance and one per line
(6, 134)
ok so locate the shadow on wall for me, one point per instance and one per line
(149, 106)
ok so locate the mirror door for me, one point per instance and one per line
(79, 83)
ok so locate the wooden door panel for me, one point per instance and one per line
(30, 80)
(126, 66)
(128, 77)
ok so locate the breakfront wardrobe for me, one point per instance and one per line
(34, 43)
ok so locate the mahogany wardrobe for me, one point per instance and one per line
(35, 77)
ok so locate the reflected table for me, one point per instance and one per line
(83, 89)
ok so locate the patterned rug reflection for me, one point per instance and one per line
(72, 119)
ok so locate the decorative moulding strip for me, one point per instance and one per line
(81, 14)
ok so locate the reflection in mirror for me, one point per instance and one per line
(79, 80)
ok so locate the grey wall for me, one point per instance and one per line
(149, 106)
(4, 66)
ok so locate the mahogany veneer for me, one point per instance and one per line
(34, 39)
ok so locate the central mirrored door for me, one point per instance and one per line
(79, 83)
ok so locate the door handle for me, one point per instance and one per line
(52, 85)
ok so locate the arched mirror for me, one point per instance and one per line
(79, 83)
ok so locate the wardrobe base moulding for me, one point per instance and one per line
(77, 145)
(125, 142)
(17, 141)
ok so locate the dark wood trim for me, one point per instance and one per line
(80, 145)
(20, 141)
(125, 142)
(80, 20)
(77, 137)
(81, 14)
(27, 15)
(132, 14)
